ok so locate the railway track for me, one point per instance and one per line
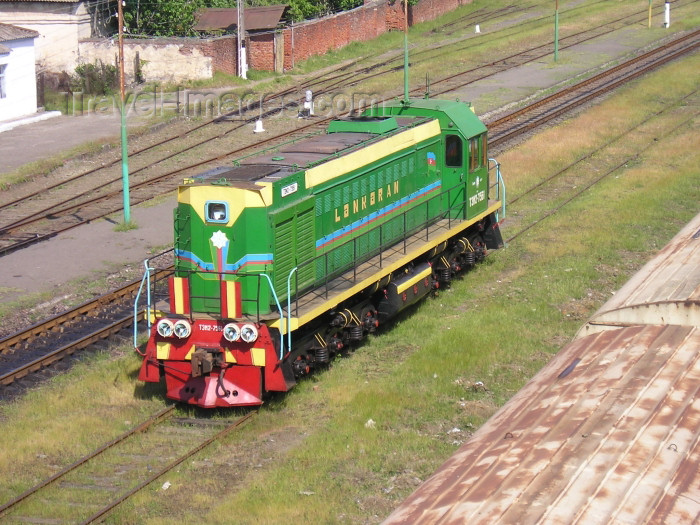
(570, 99)
(56, 493)
(577, 178)
(31, 219)
(87, 490)
(56, 339)
(92, 327)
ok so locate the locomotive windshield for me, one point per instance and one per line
(217, 212)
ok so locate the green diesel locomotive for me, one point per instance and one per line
(286, 258)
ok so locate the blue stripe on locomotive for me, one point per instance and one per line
(350, 228)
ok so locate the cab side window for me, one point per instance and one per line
(216, 211)
(453, 151)
(477, 152)
(473, 154)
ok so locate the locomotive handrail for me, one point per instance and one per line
(400, 224)
(146, 277)
(279, 309)
(289, 312)
(381, 246)
(500, 188)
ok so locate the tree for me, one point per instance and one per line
(177, 17)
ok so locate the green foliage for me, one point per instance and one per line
(177, 17)
(162, 17)
(96, 79)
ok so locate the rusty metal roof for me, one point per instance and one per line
(607, 432)
(665, 291)
(9, 32)
(226, 19)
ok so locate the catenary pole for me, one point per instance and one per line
(556, 30)
(125, 153)
(405, 53)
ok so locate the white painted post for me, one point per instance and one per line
(309, 102)
(667, 14)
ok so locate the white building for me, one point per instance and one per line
(17, 72)
(60, 24)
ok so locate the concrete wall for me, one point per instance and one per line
(60, 27)
(166, 59)
(20, 79)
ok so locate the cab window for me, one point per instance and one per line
(453, 151)
(216, 211)
(477, 152)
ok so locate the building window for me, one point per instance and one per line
(3, 88)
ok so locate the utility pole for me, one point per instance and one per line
(406, 98)
(556, 30)
(242, 65)
(125, 153)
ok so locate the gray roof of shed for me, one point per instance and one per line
(226, 19)
(9, 32)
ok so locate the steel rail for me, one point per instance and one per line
(56, 209)
(10, 341)
(280, 94)
(66, 350)
(658, 61)
(166, 412)
(584, 188)
(169, 467)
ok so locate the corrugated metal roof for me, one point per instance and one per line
(665, 291)
(607, 432)
(226, 19)
(4, 50)
(9, 32)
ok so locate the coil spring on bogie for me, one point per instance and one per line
(355, 333)
(470, 258)
(444, 274)
(322, 355)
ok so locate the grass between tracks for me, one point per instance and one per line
(349, 444)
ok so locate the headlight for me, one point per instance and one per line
(249, 333)
(165, 328)
(182, 329)
(232, 332)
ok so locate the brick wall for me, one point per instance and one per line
(176, 59)
(426, 10)
(261, 51)
(316, 37)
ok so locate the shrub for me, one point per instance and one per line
(96, 79)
